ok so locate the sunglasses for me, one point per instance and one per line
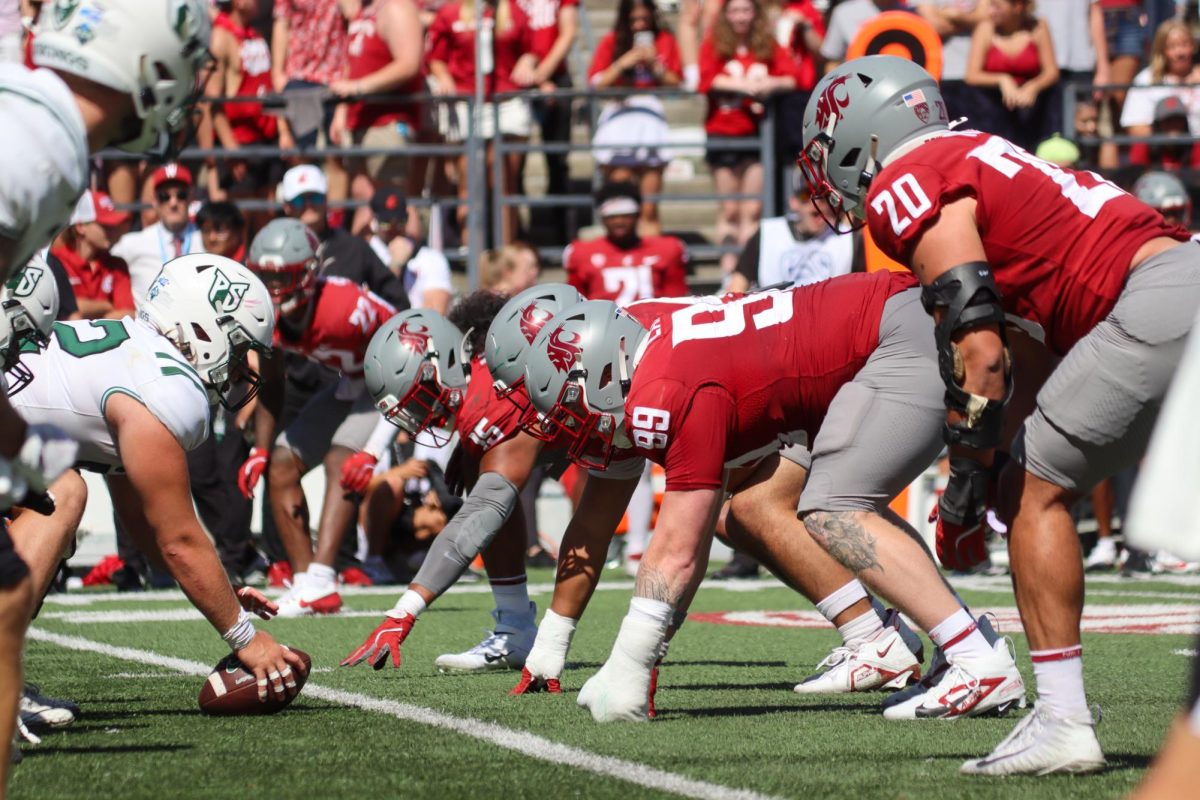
(313, 199)
(167, 195)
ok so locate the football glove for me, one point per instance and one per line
(386, 638)
(960, 547)
(252, 470)
(357, 470)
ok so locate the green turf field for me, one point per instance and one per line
(729, 722)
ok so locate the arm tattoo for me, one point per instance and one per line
(654, 584)
(844, 539)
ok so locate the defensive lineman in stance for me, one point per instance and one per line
(990, 230)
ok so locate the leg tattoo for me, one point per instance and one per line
(653, 584)
(844, 539)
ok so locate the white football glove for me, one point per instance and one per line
(46, 454)
(549, 653)
(620, 691)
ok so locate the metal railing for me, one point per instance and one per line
(474, 147)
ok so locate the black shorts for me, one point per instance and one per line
(730, 158)
(12, 566)
(1194, 697)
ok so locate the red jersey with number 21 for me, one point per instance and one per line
(602, 271)
(1059, 241)
(722, 381)
(345, 318)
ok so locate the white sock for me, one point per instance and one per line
(840, 600)
(511, 595)
(958, 635)
(655, 611)
(321, 575)
(410, 603)
(1059, 676)
(861, 627)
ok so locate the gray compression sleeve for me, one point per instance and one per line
(472, 529)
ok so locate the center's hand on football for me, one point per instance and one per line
(273, 665)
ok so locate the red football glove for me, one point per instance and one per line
(256, 602)
(386, 638)
(960, 547)
(357, 471)
(251, 470)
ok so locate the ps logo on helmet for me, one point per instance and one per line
(62, 11)
(563, 352)
(224, 295)
(830, 104)
(25, 281)
(533, 319)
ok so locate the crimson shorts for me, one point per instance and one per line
(1096, 411)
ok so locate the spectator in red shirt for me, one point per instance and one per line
(242, 68)
(100, 280)
(386, 45)
(741, 65)
(555, 24)
(451, 60)
(637, 53)
(308, 53)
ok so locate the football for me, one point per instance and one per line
(231, 690)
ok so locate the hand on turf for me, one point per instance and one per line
(617, 695)
(386, 638)
(273, 665)
(256, 602)
(357, 470)
(251, 470)
(960, 547)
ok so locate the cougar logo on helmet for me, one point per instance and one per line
(415, 339)
(563, 352)
(224, 295)
(830, 104)
(533, 319)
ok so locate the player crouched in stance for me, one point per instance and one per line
(135, 394)
(849, 367)
(422, 381)
(991, 230)
(329, 320)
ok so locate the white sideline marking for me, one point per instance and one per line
(1187, 653)
(523, 742)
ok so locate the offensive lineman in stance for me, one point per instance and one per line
(991, 230)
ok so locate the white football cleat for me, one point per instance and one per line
(970, 686)
(881, 662)
(1042, 744)
(41, 713)
(1102, 557)
(308, 597)
(506, 647)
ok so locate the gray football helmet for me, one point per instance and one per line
(284, 256)
(30, 304)
(516, 326)
(578, 372)
(417, 373)
(857, 115)
(1166, 194)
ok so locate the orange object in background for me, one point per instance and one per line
(876, 258)
(902, 34)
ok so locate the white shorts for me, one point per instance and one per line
(515, 119)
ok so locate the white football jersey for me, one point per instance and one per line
(87, 362)
(43, 157)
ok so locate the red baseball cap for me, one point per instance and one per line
(171, 172)
(95, 206)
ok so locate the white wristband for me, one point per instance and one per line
(241, 634)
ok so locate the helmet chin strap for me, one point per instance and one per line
(872, 166)
(623, 368)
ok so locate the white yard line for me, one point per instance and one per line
(527, 744)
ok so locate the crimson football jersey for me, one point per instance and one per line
(720, 383)
(600, 270)
(344, 318)
(1059, 241)
(485, 420)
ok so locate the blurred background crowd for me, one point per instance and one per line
(436, 146)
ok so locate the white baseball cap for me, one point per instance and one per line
(304, 179)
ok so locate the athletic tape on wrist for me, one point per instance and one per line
(242, 632)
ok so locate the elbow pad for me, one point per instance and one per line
(968, 299)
